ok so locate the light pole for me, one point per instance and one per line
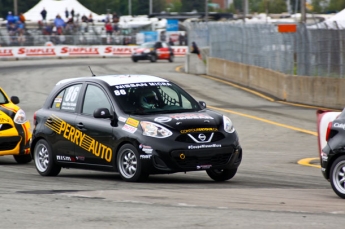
(303, 12)
(206, 10)
(15, 3)
(150, 7)
(129, 7)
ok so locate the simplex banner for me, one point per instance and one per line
(76, 51)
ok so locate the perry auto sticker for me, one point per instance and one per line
(82, 140)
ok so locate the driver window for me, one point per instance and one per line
(169, 96)
(94, 98)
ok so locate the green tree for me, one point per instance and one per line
(176, 6)
(318, 5)
(273, 6)
(23, 6)
(190, 5)
(336, 5)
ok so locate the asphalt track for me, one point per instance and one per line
(270, 190)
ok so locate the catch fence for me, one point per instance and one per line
(307, 52)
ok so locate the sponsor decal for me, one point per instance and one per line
(72, 51)
(203, 166)
(118, 50)
(145, 156)
(57, 100)
(190, 116)
(129, 128)
(324, 157)
(132, 122)
(63, 158)
(180, 51)
(80, 158)
(37, 51)
(162, 119)
(339, 125)
(4, 120)
(6, 52)
(142, 85)
(146, 149)
(204, 146)
(82, 140)
(122, 119)
(198, 130)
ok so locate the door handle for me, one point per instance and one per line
(80, 126)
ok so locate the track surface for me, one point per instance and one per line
(270, 189)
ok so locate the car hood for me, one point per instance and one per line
(201, 121)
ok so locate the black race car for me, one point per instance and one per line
(153, 51)
(134, 124)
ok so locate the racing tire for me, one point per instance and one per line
(44, 160)
(129, 164)
(221, 174)
(153, 58)
(22, 159)
(171, 58)
(337, 176)
(134, 60)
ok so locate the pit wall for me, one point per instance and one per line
(310, 90)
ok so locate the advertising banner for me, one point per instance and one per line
(76, 51)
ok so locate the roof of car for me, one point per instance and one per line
(119, 79)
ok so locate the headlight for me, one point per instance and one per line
(154, 130)
(20, 117)
(147, 50)
(228, 126)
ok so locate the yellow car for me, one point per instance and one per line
(15, 133)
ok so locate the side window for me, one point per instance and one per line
(94, 98)
(169, 96)
(67, 99)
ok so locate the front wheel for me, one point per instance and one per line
(22, 159)
(44, 161)
(134, 60)
(221, 174)
(337, 176)
(129, 164)
(171, 58)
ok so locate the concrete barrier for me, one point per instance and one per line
(310, 90)
(194, 65)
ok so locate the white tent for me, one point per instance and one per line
(335, 22)
(55, 7)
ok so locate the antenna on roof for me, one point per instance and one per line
(91, 71)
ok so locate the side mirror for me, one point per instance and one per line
(202, 104)
(105, 113)
(102, 113)
(15, 99)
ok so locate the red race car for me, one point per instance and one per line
(153, 51)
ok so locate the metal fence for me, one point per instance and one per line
(308, 52)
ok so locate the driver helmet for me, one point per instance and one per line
(148, 99)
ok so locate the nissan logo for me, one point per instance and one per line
(202, 137)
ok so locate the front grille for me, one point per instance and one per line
(9, 143)
(5, 127)
(195, 158)
(217, 136)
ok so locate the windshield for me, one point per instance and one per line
(3, 98)
(154, 98)
(147, 45)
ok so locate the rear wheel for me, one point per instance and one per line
(221, 174)
(44, 161)
(129, 164)
(134, 60)
(153, 58)
(22, 159)
(337, 176)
